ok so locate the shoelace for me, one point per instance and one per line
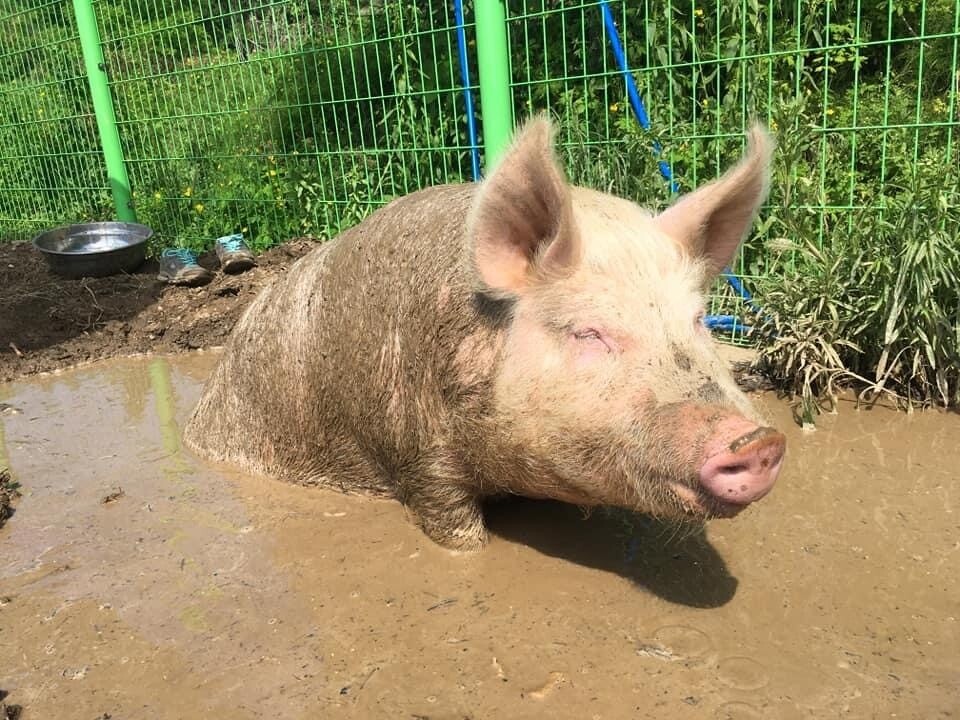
(182, 254)
(232, 244)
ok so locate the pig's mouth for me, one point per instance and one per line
(703, 505)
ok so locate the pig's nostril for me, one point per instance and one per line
(734, 469)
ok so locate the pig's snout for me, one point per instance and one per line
(741, 470)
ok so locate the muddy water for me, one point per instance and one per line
(139, 582)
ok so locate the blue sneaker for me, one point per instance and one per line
(178, 266)
(233, 253)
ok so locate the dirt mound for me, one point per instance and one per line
(48, 322)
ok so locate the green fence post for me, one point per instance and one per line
(493, 61)
(103, 108)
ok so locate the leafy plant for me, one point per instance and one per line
(301, 117)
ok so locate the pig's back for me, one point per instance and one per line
(365, 328)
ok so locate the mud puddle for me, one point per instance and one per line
(138, 582)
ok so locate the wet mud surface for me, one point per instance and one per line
(137, 581)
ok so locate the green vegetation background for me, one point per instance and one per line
(281, 119)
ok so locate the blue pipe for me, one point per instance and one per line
(632, 93)
(741, 290)
(713, 321)
(724, 322)
(467, 93)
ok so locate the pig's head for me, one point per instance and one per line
(609, 380)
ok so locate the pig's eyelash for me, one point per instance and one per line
(592, 335)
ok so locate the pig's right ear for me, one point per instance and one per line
(713, 220)
(521, 229)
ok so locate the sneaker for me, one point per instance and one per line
(178, 266)
(234, 255)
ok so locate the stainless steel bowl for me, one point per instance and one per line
(94, 249)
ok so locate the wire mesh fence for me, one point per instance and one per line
(280, 118)
(51, 166)
(862, 97)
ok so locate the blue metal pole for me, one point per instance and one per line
(636, 103)
(632, 93)
(467, 91)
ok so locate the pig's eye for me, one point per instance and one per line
(591, 335)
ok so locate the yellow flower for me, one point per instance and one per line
(829, 111)
(244, 229)
(198, 207)
(272, 173)
(698, 12)
(187, 191)
(157, 196)
(614, 107)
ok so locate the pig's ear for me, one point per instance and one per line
(521, 228)
(712, 221)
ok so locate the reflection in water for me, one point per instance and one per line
(203, 592)
(136, 387)
(159, 372)
(165, 402)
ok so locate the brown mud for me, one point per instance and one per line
(49, 322)
(199, 592)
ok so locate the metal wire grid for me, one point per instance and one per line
(285, 117)
(281, 118)
(50, 162)
(862, 98)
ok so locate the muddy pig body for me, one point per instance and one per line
(519, 335)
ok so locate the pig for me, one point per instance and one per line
(519, 335)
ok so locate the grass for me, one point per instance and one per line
(298, 118)
(876, 308)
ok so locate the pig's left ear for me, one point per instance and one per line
(712, 221)
(521, 229)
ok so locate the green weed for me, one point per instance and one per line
(300, 118)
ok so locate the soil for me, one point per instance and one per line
(48, 322)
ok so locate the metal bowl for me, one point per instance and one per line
(94, 249)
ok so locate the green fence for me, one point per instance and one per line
(282, 118)
(51, 165)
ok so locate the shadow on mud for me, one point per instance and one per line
(677, 564)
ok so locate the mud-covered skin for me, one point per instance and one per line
(516, 336)
(347, 376)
